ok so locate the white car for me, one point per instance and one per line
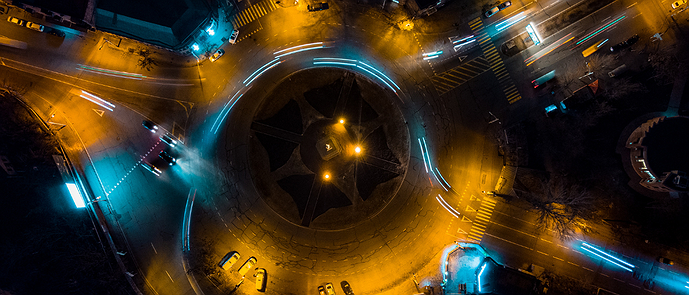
(234, 36)
(260, 279)
(678, 3)
(329, 289)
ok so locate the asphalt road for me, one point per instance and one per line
(378, 256)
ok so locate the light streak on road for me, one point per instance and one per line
(76, 195)
(336, 63)
(607, 257)
(97, 100)
(255, 75)
(298, 48)
(550, 48)
(187, 219)
(379, 72)
(225, 111)
(424, 154)
(457, 44)
(510, 21)
(111, 72)
(442, 180)
(600, 30)
(259, 69)
(355, 63)
(432, 55)
(447, 206)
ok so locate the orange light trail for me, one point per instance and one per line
(554, 46)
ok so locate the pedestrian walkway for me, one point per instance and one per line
(481, 219)
(448, 80)
(252, 13)
(496, 64)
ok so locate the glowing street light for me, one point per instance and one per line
(357, 150)
(342, 121)
(326, 176)
(195, 47)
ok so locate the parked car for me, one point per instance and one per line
(329, 289)
(625, 43)
(617, 71)
(150, 126)
(234, 36)
(665, 261)
(35, 26)
(321, 290)
(496, 9)
(248, 264)
(217, 55)
(678, 3)
(346, 288)
(318, 7)
(229, 260)
(16, 21)
(260, 279)
(55, 32)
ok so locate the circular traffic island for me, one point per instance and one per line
(328, 148)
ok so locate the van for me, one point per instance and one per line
(260, 279)
(318, 7)
(228, 260)
(542, 79)
(618, 71)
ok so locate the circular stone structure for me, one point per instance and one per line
(328, 148)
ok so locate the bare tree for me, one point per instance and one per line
(146, 61)
(666, 64)
(561, 207)
(620, 88)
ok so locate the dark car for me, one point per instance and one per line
(346, 288)
(169, 139)
(55, 32)
(496, 9)
(150, 167)
(318, 7)
(168, 157)
(624, 44)
(321, 290)
(665, 261)
(150, 126)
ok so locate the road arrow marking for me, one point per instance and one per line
(99, 112)
(462, 58)
(461, 231)
(470, 209)
(473, 198)
(465, 219)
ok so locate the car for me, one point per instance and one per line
(229, 260)
(150, 126)
(55, 32)
(665, 261)
(16, 21)
(168, 138)
(625, 43)
(234, 36)
(346, 288)
(35, 26)
(168, 158)
(217, 55)
(543, 79)
(318, 6)
(321, 290)
(248, 264)
(329, 289)
(260, 279)
(496, 9)
(150, 167)
(679, 3)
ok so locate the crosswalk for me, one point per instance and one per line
(252, 13)
(496, 64)
(481, 220)
(456, 76)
